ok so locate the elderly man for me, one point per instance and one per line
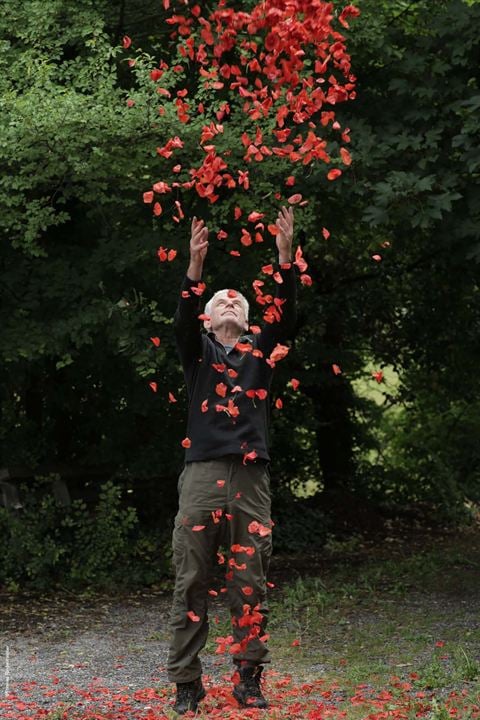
(224, 488)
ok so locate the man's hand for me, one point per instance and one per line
(284, 238)
(198, 249)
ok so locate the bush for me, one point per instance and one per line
(77, 546)
(299, 525)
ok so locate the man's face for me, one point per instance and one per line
(227, 310)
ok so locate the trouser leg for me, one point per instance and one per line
(194, 552)
(246, 580)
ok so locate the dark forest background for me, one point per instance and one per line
(89, 455)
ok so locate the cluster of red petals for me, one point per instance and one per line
(285, 65)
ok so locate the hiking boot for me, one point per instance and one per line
(247, 687)
(189, 695)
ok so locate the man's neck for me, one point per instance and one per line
(227, 336)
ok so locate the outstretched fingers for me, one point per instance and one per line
(199, 234)
(285, 221)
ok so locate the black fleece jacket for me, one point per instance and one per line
(222, 418)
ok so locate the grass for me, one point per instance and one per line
(415, 617)
(397, 623)
(392, 633)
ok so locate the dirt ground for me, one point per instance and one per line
(53, 645)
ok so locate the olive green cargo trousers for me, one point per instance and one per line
(221, 502)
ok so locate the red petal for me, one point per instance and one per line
(293, 199)
(346, 157)
(334, 174)
(249, 456)
(219, 367)
(221, 389)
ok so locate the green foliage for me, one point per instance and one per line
(414, 199)
(100, 546)
(299, 526)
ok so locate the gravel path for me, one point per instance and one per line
(70, 644)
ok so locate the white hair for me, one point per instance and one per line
(223, 293)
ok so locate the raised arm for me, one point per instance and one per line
(186, 323)
(279, 331)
